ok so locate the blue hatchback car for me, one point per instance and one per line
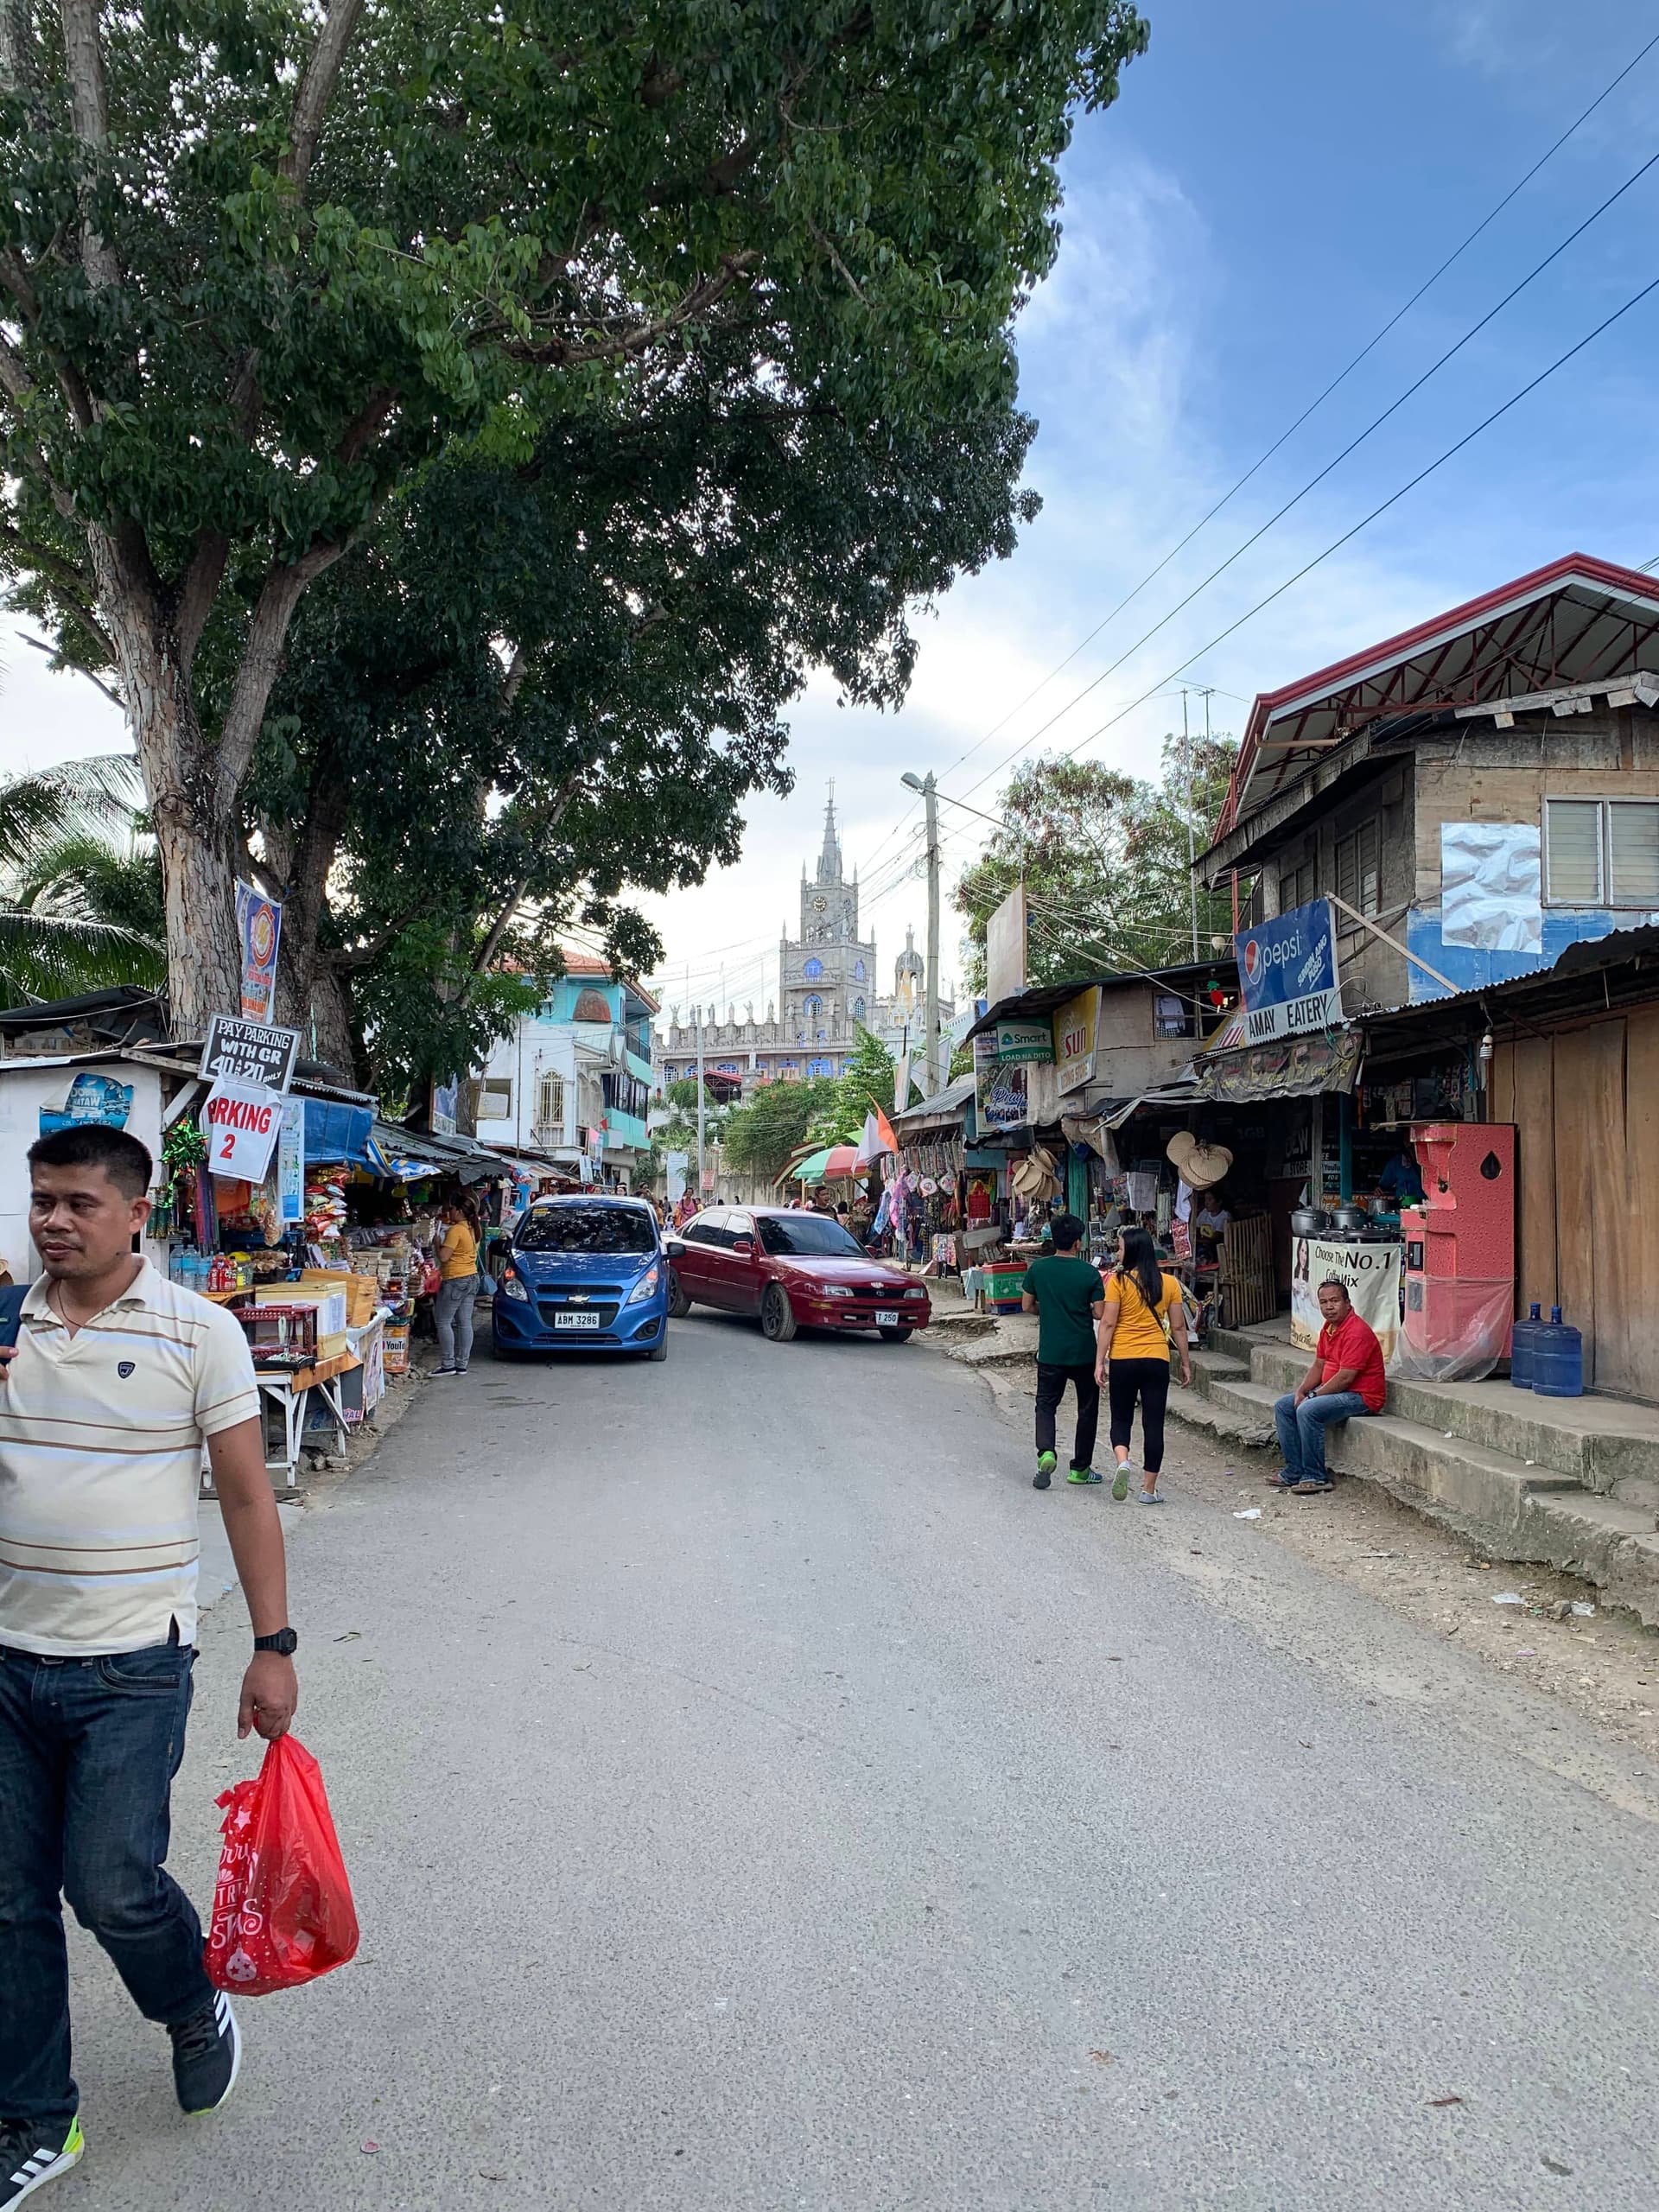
(584, 1275)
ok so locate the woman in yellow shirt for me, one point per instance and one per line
(457, 1286)
(1142, 1316)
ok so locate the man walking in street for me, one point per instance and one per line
(1068, 1297)
(1344, 1383)
(117, 1379)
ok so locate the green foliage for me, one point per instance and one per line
(1104, 859)
(761, 1134)
(866, 1081)
(411, 1001)
(80, 907)
(228, 352)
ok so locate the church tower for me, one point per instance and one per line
(829, 972)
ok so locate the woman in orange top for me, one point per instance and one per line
(457, 1288)
(1142, 1316)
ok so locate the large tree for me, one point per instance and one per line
(1103, 858)
(670, 577)
(261, 263)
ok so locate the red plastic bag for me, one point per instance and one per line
(282, 1910)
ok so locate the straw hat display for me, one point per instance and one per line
(1198, 1165)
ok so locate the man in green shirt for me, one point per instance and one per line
(1068, 1296)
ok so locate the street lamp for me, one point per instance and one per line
(929, 789)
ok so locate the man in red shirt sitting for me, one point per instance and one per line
(1346, 1381)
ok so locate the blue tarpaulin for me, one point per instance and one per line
(334, 1131)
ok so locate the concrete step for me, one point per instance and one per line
(1194, 1407)
(1502, 1505)
(1604, 1444)
(1210, 1365)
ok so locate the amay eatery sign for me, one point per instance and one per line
(1288, 973)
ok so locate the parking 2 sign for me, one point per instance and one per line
(1288, 974)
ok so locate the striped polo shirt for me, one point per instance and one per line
(100, 1464)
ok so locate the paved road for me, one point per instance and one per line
(759, 1797)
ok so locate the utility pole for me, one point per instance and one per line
(1187, 780)
(931, 799)
(700, 1105)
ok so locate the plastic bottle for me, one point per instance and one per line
(1523, 1337)
(1558, 1359)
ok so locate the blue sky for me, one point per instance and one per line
(1273, 182)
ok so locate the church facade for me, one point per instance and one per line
(828, 993)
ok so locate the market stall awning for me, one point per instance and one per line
(412, 1154)
(1284, 1067)
(829, 1164)
(943, 1110)
(1118, 1110)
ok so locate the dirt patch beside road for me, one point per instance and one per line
(1604, 1668)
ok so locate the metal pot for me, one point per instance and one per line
(1309, 1221)
(1350, 1217)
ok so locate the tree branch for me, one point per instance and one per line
(706, 293)
(316, 90)
(261, 657)
(76, 591)
(16, 280)
(83, 55)
(96, 681)
(196, 593)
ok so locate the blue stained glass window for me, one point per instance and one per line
(813, 969)
(858, 969)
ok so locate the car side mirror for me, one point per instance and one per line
(744, 1244)
(674, 1248)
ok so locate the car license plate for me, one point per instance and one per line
(575, 1320)
(887, 1320)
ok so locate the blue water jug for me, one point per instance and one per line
(1521, 1339)
(1558, 1359)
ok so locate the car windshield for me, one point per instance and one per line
(807, 1237)
(586, 1229)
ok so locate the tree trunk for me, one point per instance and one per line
(328, 1027)
(307, 869)
(192, 824)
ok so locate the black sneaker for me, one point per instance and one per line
(26, 2161)
(206, 2054)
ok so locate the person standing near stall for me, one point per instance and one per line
(1142, 1317)
(457, 1286)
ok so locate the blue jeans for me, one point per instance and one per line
(88, 1751)
(1301, 1429)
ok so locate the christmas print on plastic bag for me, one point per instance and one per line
(283, 1911)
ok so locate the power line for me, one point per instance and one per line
(1394, 498)
(1313, 405)
(1335, 462)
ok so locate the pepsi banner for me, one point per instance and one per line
(1288, 974)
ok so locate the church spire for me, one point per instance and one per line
(830, 858)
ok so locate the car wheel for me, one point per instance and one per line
(500, 1351)
(776, 1315)
(679, 1304)
(897, 1336)
(659, 1350)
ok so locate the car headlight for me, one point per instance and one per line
(644, 1287)
(917, 1292)
(513, 1284)
(835, 1290)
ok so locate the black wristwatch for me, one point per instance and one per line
(285, 1642)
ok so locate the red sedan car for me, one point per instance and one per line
(796, 1271)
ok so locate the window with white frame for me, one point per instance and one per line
(550, 1104)
(1601, 852)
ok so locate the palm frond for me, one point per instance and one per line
(101, 797)
(53, 957)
